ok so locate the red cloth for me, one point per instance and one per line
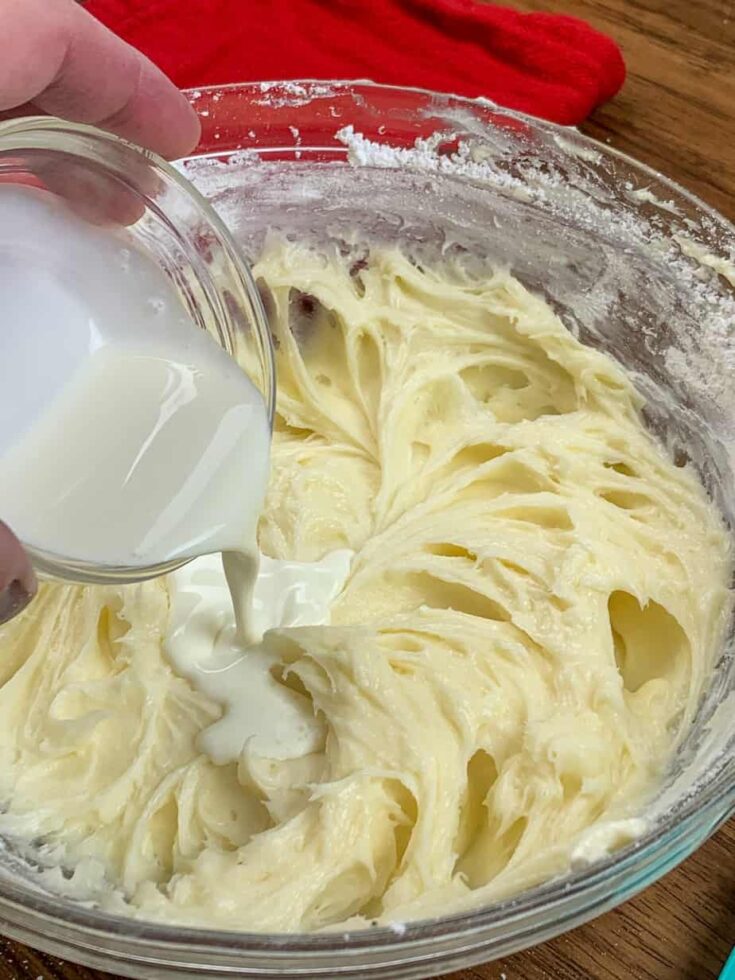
(548, 65)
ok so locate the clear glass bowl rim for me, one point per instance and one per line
(432, 945)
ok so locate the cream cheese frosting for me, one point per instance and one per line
(533, 604)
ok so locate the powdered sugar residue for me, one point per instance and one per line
(573, 193)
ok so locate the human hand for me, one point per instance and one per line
(17, 579)
(58, 60)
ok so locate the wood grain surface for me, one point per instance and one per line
(676, 113)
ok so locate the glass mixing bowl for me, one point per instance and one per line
(149, 207)
(636, 266)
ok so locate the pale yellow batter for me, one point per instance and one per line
(534, 605)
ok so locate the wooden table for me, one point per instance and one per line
(676, 113)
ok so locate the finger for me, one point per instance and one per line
(17, 579)
(95, 196)
(65, 63)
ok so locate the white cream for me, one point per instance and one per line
(261, 715)
(131, 438)
(533, 610)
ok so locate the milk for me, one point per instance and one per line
(130, 437)
(260, 715)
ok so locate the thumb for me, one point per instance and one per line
(17, 579)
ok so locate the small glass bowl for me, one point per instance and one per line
(144, 200)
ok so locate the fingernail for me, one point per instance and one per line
(13, 599)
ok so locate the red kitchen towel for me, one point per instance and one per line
(548, 65)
